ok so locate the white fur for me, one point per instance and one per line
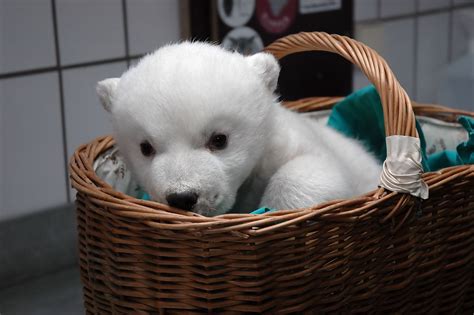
(178, 96)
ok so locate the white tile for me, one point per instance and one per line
(26, 35)
(425, 5)
(32, 146)
(90, 30)
(370, 34)
(460, 2)
(152, 24)
(459, 94)
(2, 149)
(462, 30)
(86, 119)
(432, 55)
(397, 7)
(399, 51)
(394, 41)
(359, 80)
(365, 10)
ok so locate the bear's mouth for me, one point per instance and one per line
(212, 207)
(211, 204)
(205, 210)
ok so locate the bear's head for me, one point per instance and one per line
(191, 120)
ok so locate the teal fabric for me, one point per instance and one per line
(465, 150)
(143, 195)
(464, 153)
(444, 159)
(360, 116)
(263, 210)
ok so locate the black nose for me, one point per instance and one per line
(184, 200)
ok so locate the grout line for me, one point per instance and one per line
(61, 97)
(28, 72)
(125, 31)
(100, 62)
(71, 66)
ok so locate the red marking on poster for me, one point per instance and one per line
(276, 16)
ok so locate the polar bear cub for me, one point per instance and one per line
(202, 130)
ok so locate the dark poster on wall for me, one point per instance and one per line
(250, 25)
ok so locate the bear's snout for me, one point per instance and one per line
(183, 200)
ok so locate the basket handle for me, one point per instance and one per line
(399, 118)
(402, 171)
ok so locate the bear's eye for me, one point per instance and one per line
(146, 148)
(217, 142)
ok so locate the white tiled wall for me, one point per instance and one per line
(33, 167)
(383, 37)
(366, 10)
(389, 8)
(26, 35)
(90, 30)
(142, 22)
(425, 5)
(2, 146)
(432, 54)
(418, 38)
(35, 90)
(85, 117)
(459, 2)
(460, 33)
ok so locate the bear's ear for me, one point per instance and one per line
(106, 90)
(267, 68)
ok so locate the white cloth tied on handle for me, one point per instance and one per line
(402, 169)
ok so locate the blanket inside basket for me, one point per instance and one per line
(358, 116)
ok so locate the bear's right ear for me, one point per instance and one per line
(106, 90)
(267, 67)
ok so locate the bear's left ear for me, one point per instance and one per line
(105, 90)
(267, 68)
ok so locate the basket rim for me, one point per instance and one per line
(86, 181)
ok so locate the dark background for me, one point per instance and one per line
(304, 74)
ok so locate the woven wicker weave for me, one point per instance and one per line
(381, 252)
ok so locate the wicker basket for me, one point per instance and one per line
(380, 252)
